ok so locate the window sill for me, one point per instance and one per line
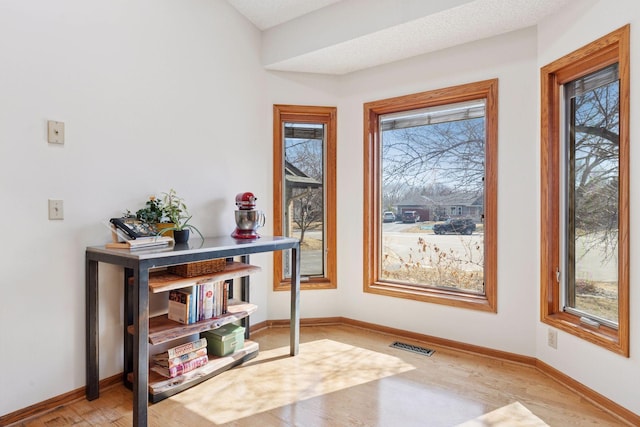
(436, 296)
(305, 285)
(603, 336)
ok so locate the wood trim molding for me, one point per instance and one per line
(443, 342)
(22, 415)
(597, 399)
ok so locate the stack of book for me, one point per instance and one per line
(181, 359)
(204, 300)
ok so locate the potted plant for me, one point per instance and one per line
(176, 210)
(153, 211)
(153, 214)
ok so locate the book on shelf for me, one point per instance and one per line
(205, 300)
(171, 362)
(179, 306)
(181, 368)
(193, 304)
(225, 297)
(217, 303)
(182, 349)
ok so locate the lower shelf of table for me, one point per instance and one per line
(161, 387)
(161, 329)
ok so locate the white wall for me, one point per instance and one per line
(609, 374)
(155, 94)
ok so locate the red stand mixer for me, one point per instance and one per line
(248, 219)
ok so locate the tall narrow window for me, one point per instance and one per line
(430, 187)
(585, 192)
(304, 192)
(592, 105)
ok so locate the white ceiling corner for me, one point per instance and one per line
(426, 26)
(265, 14)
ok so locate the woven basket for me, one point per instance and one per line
(198, 268)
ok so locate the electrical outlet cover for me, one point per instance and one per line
(552, 338)
(55, 132)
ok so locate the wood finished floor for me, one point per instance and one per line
(445, 389)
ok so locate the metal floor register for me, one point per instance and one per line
(413, 348)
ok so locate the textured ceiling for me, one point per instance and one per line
(421, 30)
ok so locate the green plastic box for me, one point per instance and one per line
(224, 340)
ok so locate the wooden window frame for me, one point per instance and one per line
(607, 50)
(306, 114)
(487, 90)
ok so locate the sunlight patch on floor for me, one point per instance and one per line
(513, 415)
(274, 379)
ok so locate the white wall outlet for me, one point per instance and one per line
(55, 132)
(56, 209)
(552, 338)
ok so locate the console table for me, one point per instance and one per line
(137, 264)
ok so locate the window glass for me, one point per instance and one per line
(303, 201)
(591, 195)
(432, 177)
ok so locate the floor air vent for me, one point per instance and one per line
(413, 348)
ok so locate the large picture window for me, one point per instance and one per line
(585, 192)
(304, 192)
(430, 205)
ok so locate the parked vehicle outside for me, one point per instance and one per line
(388, 216)
(455, 225)
(410, 216)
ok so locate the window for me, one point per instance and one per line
(304, 140)
(585, 192)
(431, 158)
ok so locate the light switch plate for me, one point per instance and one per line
(56, 209)
(55, 132)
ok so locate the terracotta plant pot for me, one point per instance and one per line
(163, 226)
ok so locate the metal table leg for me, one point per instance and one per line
(140, 346)
(91, 353)
(294, 338)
